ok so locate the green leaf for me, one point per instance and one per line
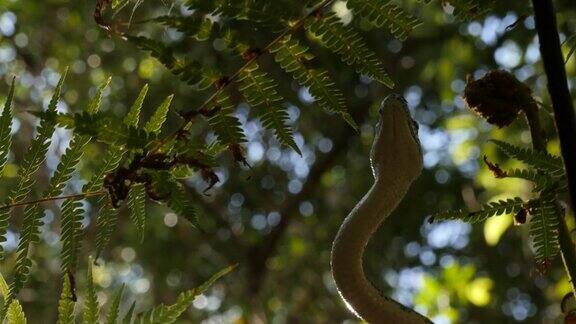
(114, 310)
(66, 304)
(133, 116)
(71, 235)
(15, 314)
(496, 208)
(226, 126)
(91, 306)
(159, 116)
(544, 228)
(130, 314)
(352, 49)
(94, 104)
(180, 203)
(137, 206)
(167, 314)
(5, 129)
(261, 92)
(291, 57)
(111, 160)
(540, 160)
(105, 224)
(384, 13)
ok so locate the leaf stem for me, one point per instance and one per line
(37, 201)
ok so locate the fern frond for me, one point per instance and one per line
(544, 228)
(71, 235)
(137, 206)
(352, 49)
(167, 314)
(467, 10)
(130, 314)
(159, 116)
(96, 101)
(385, 13)
(111, 160)
(541, 181)
(15, 312)
(540, 160)
(114, 310)
(226, 126)
(105, 224)
(496, 208)
(66, 303)
(91, 306)
(180, 203)
(261, 92)
(194, 26)
(291, 55)
(133, 116)
(5, 129)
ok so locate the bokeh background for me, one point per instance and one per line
(277, 219)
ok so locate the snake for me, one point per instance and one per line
(396, 161)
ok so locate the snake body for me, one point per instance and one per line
(396, 161)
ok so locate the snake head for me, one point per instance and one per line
(396, 144)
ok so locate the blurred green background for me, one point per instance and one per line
(278, 219)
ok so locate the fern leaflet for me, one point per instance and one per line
(5, 122)
(226, 126)
(105, 224)
(540, 160)
(168, 314)
(385, 13)
(544, 228)
(91, 306)
(179, 202)
(114, 310)
(349, 45)
(71, 235)
(260, 91)
(15, 312)
(136, 204)
(159, 116)
(66, 303)
(96, 101)
(130, 314)
(291, 57)
(133, 115)
(495, 208)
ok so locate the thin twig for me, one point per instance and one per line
(32, 202)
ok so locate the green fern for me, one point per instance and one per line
(96, 101)
(133, 116)
(32, 161)
(5, 129)
(114, 310)
(497, 208)
(105, 224)
(180, 203)
(195, 26)
(226, 126)
(540, 180)
(66, 304)
(71, 235)
(384, 13)
(159, 116)
(544, 228)
(291, 57)
(91, 306)
(136, 205)
(349, 45)
(169, 314)
(129, 314)
(540, 160)
(260, 91)
(15, 313)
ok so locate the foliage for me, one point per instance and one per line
(547, 172)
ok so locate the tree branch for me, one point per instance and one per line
(558, 88)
